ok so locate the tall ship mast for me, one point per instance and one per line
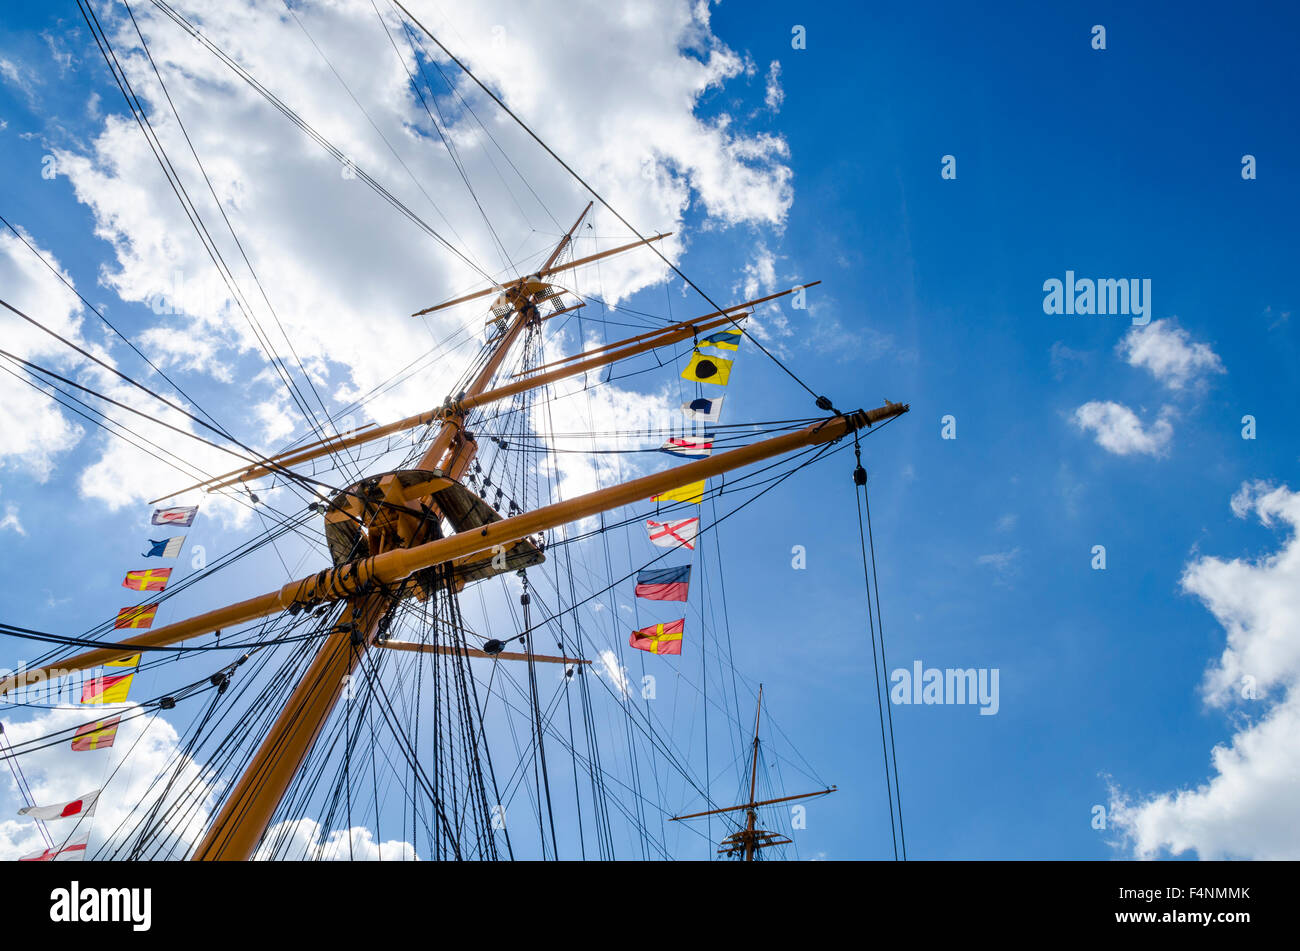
(434, 665)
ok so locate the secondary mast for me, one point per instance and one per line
(750, 839)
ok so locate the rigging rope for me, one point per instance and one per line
(879, 663)
(822, 401)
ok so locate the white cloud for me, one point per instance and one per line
(775, 95)
(34, 432)
(299, 839)
(1250, 807)
(1170, 354)
(62, 57)
(616, 672)
(10, 519)
(56, 774)
(1257, 602)
(1063, 357)
(338, 262)
(768, 323)
(1000, 561)
(9, 70)
(1117, 429)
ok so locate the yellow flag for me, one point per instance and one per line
(693, 493)
(106, 689)
(131, 661)
(705, 368)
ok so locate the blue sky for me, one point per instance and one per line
(1116, 163)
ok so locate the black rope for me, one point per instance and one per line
(879, 664)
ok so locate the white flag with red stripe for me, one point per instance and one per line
(689, 446)
(72, 850)
(83, 806)
(675, 534)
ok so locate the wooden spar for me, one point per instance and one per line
(372, 432)
(355, 437)
(668, 336)
(660, 330)
(474, 652)
(283, 461)
(394, 566)
(532, 382)
(546, 271)
(748, 805)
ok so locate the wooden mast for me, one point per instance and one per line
(240, 824)
(750, 839)
(572, 366)
(394, 567)
(751, 814)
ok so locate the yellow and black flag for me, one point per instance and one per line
(705, 368)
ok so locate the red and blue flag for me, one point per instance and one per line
(663, 584)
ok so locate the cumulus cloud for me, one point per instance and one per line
(56, 775)
(34, 432)
(1118, 429)
(332, 257)
(1169, 354)
(1249, 807)
(299, 839)
(1258, 602)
